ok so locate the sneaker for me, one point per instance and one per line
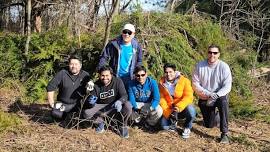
(100, 128)
(124, 132)
(224, 139)
(186, 133)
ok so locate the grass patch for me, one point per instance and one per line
(242, 139)
(8, 121)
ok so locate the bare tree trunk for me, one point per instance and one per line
(114, 8)
(28, 27)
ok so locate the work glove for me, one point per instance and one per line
(145, 111)
(212, 99)
(90, 86)
(214, 96)
(92, 100)
(117, 105)
(59, 106)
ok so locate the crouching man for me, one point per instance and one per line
(71, 87)
(108, 97)
(176, 97)
(144, 96)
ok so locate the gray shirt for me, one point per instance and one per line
(215, 78)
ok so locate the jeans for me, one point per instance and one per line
(210, 115)
(189, 113)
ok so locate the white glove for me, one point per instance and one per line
(214, 96)
(90, 86)
(59, 106)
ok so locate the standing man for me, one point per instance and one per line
(108, 97)
(176, 97)
(71, 86)
(144, 96)
(212, 82)
(122, 54)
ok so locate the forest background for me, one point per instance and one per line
(36, 38)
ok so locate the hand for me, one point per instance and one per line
(174, 115)
(117, 105)
(214, 96)
(92, 100)
(176, 109)
(145, 111)
(90, 86)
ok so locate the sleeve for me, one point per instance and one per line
(227, 83)
(156, 95)
(105, 56)
(122, 91)
(82, 90)
(164, 105)
(55, 82)
(196, 83)
(187, 97)
(140, 55)
(131, 97)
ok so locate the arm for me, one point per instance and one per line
(50, 96)
(105, 56)
(52, 86)
(163, 103)
(187, 97)
(156, 95)
(131, 97)
(227, 83)
(140, 55)
(196, 84)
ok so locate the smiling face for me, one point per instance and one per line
(170, 74)
(213, 55)
(127, 36)
(105, 77)
(74, 66)
(141, 76)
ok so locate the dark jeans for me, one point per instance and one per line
(58, 114)
(210, 115)
(100, 111)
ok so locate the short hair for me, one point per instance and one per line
(214, 46)
(74, 56)
(169, 65)
(139, 68)
(105, 68)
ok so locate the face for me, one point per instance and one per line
(105, 77)
(213, 55)
(170, 74)
(75, 66)
(127, 35)
(141, 76)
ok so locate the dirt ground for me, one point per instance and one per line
(39, 133)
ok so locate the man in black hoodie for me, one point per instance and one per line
(108, 97)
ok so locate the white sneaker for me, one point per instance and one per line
(186, 133)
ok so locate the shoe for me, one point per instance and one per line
(186, 133)
(124, 132)
(100, 129)
(224, 139)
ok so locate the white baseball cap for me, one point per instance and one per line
(129, 27)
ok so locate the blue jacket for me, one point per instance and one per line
(112, 51)
(147, 93)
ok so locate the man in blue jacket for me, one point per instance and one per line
(122, 54)
(144, 96)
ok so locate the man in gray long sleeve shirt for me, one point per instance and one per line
(212, 82)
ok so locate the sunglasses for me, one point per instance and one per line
(209, 52)
(140, 75)
(127, 32)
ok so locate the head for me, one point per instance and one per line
(74, 64)
(213, 54)
(140, 74)
(105, 75)
(128, 32)
(169, 72)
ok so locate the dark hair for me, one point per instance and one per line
(214, 46)
(74, 56)
(169, 65)
(105, 68)
(139, 68)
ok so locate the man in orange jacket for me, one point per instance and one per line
(176, 97)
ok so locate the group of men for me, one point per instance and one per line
(124, 88)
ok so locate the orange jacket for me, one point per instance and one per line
(183, 96)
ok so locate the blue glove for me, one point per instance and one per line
(117, 105)
(92, 100)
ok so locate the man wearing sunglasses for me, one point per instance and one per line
(176, 97)
(122, 54)
(144, 97)
(212, 82)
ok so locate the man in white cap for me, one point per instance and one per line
(122, 54)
